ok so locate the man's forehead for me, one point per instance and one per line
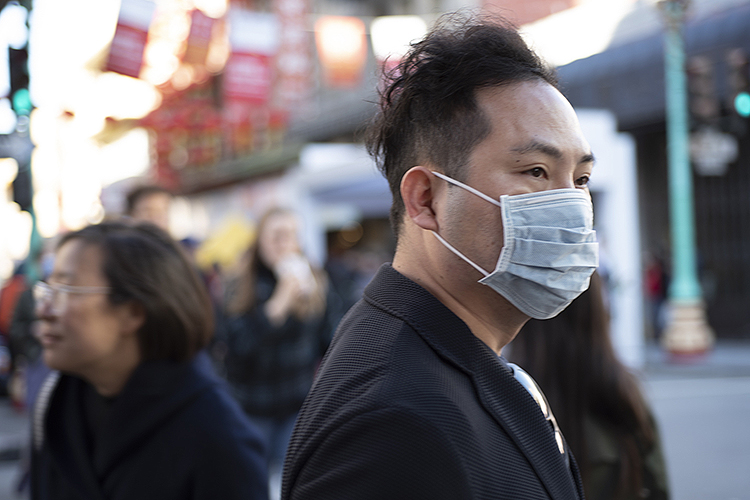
(535, 118)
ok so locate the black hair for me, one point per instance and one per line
(428, 108)
(144, 264)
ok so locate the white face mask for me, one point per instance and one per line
(549, 249)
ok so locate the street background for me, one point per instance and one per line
(701, 407)
(82, 121)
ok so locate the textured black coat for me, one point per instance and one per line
(173, 433)
(409, 404)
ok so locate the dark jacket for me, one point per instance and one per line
(172, 433)
(605, 465)
(409, 404)
(270, 369)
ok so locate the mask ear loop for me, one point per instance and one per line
(507, 250)
(455, 250)
(442, 240)
(467, 187)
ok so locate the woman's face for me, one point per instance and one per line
(81, 332)
(278, 238)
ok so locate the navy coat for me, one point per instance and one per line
(409, 404)
(172, 433)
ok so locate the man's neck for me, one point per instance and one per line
(489, 316)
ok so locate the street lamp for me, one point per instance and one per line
(688, 332)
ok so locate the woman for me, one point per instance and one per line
(280, 319)
(134, 410)
(596, 400)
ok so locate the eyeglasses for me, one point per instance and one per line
(56, 294)
(536, 393)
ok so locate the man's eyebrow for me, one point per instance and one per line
(589, 158)
(549, 150)
(539, 147)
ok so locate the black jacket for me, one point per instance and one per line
(270, 368)
(409, 404)
(172, 433)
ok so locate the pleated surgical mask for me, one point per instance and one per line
(549, 249)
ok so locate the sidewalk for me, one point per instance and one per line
(701, 408)
(14, 431)
(729, 358)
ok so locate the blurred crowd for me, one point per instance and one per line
(274, 314)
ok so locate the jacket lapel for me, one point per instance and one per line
(501, 395)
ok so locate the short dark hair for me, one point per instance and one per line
(139, 192)
(428, 108)
(143, 264)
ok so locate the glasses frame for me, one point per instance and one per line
(48, 293)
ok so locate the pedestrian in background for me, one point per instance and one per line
(280, 318)
(597, 401)
(149, 203)
(134, 409)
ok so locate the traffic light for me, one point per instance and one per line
(22, 190)
(703, 100)
(742, 104)
(739, 82)
(18, 60)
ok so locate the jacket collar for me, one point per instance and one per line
(501, 395)
(156, 391)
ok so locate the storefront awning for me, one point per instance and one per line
(629, 79)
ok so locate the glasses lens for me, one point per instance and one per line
(48, 296)
(42, 292)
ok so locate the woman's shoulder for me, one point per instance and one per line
(212, 411)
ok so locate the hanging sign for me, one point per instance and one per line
(294, 63)
(199, 38)
(131, 35)
(248, 74)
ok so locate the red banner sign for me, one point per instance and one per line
(248, 77)
(131, 35)
(201, 27)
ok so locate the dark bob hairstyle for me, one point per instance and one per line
(145, 265)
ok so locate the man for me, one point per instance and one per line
(149, 203)
(488, 169)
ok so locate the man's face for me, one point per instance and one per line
(535, 144)
(153, 208)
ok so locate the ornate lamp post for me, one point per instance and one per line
(688, 332)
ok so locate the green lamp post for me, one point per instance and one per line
(687, 332)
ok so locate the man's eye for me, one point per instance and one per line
(582, 181)
(536, 172)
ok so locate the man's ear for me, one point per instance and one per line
(418, 193)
